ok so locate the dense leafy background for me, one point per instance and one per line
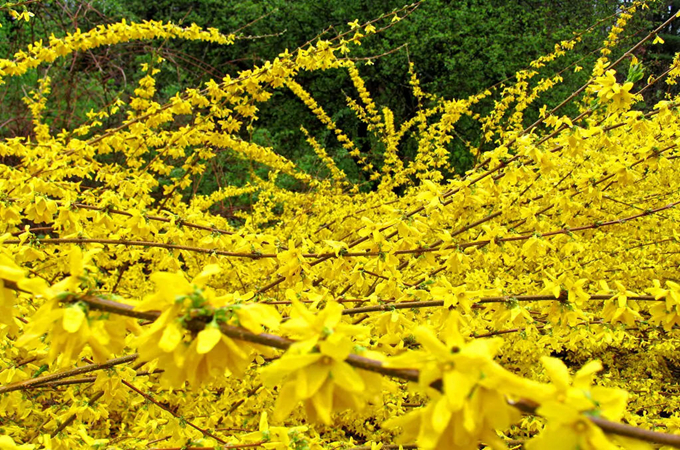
(458, 48)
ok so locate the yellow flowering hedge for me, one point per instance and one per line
(533, 301)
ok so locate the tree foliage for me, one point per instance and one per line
(459, 51)
(530, 301)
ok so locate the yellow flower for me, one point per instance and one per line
(292, 262)
(603, 85)
(7, 443)
(207, 339)
(568, 427)
(210, 354)
(252, 316)
(318, 374)
(621, 96)
(81, 267)
(171, 286)
(171, 337)
(472, 404)
(310, 326)
(575, 289)
(453, 296)
(9, 272)
(276, 438)
(438, 426)
(71, 328)
(665, 313)
(609, 90)
(568, 430)
(73, 318)
(323, 381)
(225, 356)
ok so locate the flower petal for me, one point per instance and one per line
(207, 339)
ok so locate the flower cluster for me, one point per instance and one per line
(417, 301)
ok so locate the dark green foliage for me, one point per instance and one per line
(458, 47)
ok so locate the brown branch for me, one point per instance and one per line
(254, 444)
(68, 373)
(145, 244)
(616, 428)
(387, 447)
(483, 242)
(86, 380)
(483, 300)
(165, 408)
(354, 360)
(69, 420)
(372, 57)
(154, 218)
(612, 65)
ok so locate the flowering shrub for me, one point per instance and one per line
(531, 301)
